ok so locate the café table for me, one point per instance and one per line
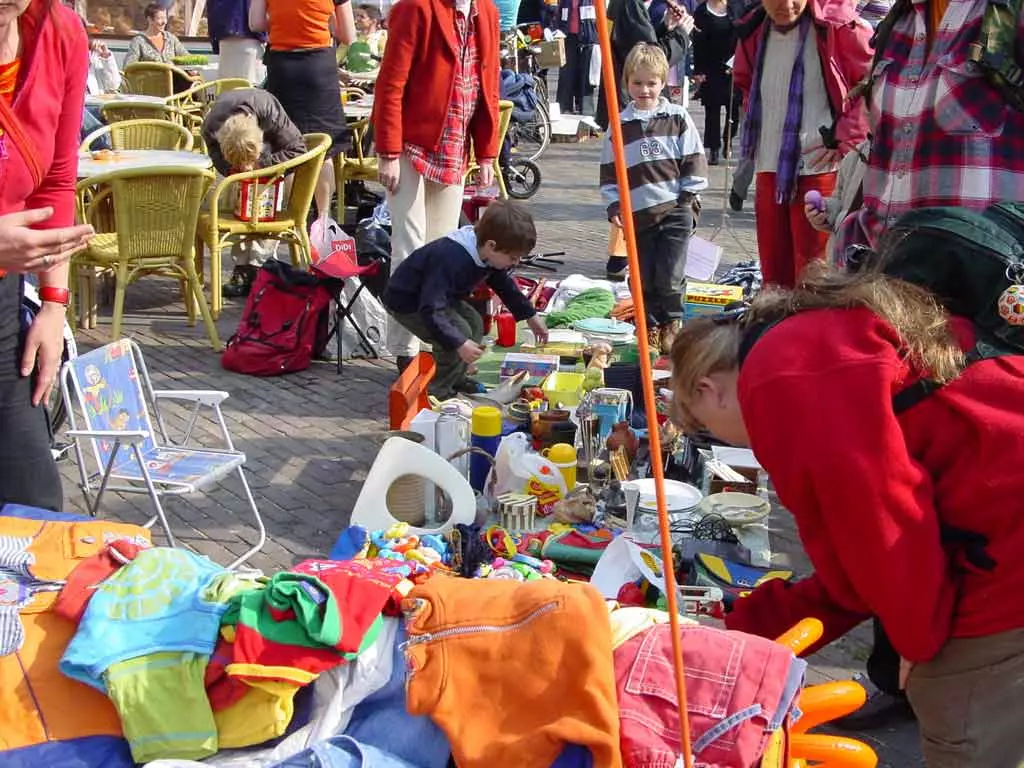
(100, 99)
(359, 109)
(96, 163)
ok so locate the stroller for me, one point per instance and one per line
(522, 175)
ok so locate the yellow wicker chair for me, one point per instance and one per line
(116, 111)
(220, 227)
(142, 134)
(354, 166)
(155, 210)
(197, 100)
(151, 78)
(351, 93)
(504, 118)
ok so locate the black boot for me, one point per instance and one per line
(881, 709)
(240, 282)
(712, 157)
(735, 201)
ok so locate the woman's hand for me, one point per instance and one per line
(539, 328)
(906, 667)
(388, 172)
(818, 219)
(38, 250)
(44, 346)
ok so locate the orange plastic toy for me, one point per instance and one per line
(408, 395)
(793, 747)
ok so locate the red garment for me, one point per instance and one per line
(738, 689)
(940, 133)
(82, 582)
(869, 489)
(448, 164)
(845, 59)
(417, 77)
(786, 241)
(49, 103)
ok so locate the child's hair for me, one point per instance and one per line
(240, 140)
(509, 225)
(712, 345)
(372, 12)
(645, 56)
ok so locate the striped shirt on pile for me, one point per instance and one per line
(665, 157)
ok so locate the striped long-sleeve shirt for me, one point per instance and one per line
(665, 158)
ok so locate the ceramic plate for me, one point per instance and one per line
(736, 508)
(678, 496)
(605, 326)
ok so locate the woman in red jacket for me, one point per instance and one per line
(436, 92)
(44, 62)
(914, 518)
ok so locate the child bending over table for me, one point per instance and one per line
(247, 129)
(427, 292)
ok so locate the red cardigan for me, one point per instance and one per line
(869, 490)
(417, 76)
(49, 102)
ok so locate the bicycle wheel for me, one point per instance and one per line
(533, 136)
(522, 178)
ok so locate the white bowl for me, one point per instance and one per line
(679, 497)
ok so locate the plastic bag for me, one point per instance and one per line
(322, 234)
(371, 317)
(516, 470)
(373, 243)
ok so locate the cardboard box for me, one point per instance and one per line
(552, 54)
(538, 366)
(712, 482)
(709, 299)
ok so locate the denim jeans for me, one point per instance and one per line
(381, 734)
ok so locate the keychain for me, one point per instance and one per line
(1011, 302)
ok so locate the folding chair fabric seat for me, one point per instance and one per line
(187, 469)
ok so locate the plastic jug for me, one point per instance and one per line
(563, 456)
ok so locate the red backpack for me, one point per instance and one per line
(284, 324)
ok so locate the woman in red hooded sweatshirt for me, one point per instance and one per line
(44, 62)
(911, 515)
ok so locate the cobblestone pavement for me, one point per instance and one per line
(310, 437)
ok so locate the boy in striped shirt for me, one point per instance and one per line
(667, 170)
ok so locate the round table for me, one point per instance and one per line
(139, 158)
(98, 100)
(357, 110)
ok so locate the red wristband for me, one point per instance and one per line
(55, 295)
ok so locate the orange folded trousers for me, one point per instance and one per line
(513, 671)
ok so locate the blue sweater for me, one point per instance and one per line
(440, 273)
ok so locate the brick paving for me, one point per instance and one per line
(310, 437)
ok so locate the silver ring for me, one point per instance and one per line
(47, 259)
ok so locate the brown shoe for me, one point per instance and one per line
(669, 331)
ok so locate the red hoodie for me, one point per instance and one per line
(49, 101)
(869, 490)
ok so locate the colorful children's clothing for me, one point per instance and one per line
(89, 574)
(163, 706)
(301, 624)
(153, 604)
(527, 664)
(739, 689)
(17, 587)
(34, 696)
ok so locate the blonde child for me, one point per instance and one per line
(247, 129)
(667, 170)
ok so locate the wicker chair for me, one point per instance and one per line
(353, 166)
(151, 78)
(142, 134)
(156, 210)
(197, 101)
(219, 228)
(504, 118)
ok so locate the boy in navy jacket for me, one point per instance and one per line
(427, 292)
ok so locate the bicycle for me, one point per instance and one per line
(529, 137)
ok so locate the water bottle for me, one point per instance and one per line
(486, 435)
(451, 435)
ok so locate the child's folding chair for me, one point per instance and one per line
(117, 448)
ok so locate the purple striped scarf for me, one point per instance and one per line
(789, 151)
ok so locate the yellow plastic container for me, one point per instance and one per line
(564, 388)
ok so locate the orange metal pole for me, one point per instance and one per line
(636, 288)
